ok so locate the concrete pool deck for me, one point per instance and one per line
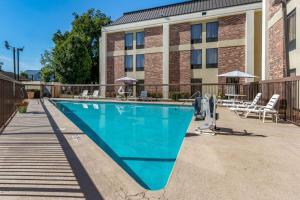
(43, 155)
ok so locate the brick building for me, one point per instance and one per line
(274, 49)
(193, 42)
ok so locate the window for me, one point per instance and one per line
(292, 72)
(196, 33)
(196, 59)
(140, 62)
(291, 25)
(196, 85)
(212, 30)
(140, 40)
(128, 41)
(128, 63)
(211, 58)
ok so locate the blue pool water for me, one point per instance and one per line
(143, 139)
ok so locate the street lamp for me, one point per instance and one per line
(18, 60)
(1, 64)
(14, 49)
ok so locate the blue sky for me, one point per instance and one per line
(31, 23)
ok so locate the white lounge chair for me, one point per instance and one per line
(84, 94)
(95, 94)
(245, 104)
(263, 110)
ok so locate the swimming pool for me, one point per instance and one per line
(144, 139)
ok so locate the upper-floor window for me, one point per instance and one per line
(140, 60)
(140, 40)
(291, 25)
(196, 59)
(128, 41)
(212, 30)
(212, 58)
(128, 63)
(196, 33)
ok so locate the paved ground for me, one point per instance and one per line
(43, 155)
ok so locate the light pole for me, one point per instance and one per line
(14, 49)
(1, 64)
(18, 60)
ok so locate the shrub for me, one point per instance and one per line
(36, 93)
(155, 95)
(175, 96)
(22, 107)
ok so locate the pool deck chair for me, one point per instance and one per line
(263, 110)
(84, 94)
(245, 104)
(144, 96)
(95, 94)
(121, 93)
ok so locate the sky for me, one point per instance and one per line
(31, 23)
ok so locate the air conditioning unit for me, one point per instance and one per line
(276, 2)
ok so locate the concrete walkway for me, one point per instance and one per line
(37, 163)
(43, 155)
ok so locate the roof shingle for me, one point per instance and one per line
(178, 9)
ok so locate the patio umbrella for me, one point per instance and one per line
(126, 80)
(237, 74)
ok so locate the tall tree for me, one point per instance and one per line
(48, 70)
(72, 60)
(89, 24)
(77, 51)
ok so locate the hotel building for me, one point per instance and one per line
(194, 41)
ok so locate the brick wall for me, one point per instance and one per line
(276, 51)
(153, 71)
(180, 34)
(115, 41)
(153, 37)
(231, 58)
(115, 68)
(232, 27)
(180, 70)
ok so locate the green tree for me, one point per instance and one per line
(48, 70)
(72, 60)
(24, 75)
(89, 24)
(75, 56)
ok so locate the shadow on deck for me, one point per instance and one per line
(37, 161)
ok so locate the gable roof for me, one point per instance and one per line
(178, 9)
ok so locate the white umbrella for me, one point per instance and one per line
(126, 80)
(237, 74)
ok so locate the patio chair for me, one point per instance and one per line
(263, 110)
(95, 94)
(245, 104)
(84, 94)
(143, 96)
(121, 93)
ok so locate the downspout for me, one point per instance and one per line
(286, 38)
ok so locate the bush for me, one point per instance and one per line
(184, 95)
(22, 107)
(155, 95)
(36, 93)
(175, 96)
